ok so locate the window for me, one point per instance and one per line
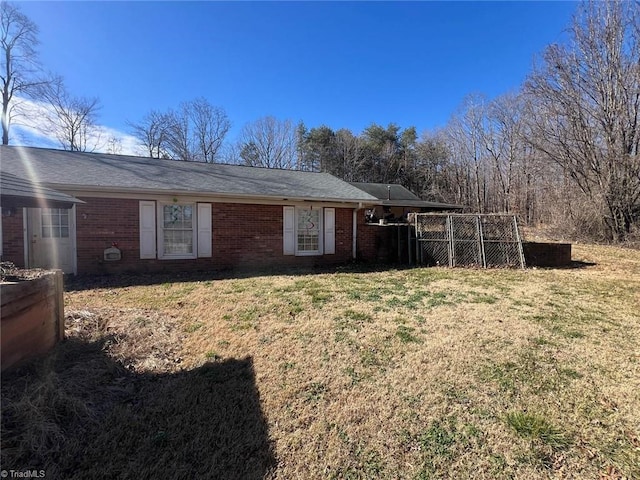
(177, 230)
(55, 223)
(308, 230)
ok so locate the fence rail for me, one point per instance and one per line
(486, 240)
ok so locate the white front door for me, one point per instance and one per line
(51, 234)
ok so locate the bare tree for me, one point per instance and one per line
(72, 119)
(230, 153)
(114, 146)
(20, 67)
(587, 110)
(504, 142)
(195, 131)
(152, 133)
(466, 135)
(210, 127)
(432, 169)
(350, 158)
(269, 142)
(180, 142)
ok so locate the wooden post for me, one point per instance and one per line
(418, 258)
(59, 306)
(409, 252)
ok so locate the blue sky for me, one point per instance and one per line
(341, 64)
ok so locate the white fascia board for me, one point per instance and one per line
(139, 193)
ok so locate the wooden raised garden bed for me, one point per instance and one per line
(32, 316)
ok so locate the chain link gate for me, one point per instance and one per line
(482, 240)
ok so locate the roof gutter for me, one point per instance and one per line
(87, 189)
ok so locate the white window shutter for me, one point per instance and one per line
(288, 231)
(204, 230)
(329, 231)
(147, 229)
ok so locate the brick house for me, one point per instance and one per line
(143, 214)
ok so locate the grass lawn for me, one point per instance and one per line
(419, 373)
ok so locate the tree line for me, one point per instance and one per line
(562, 150)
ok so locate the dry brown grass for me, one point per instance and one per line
(424, 373)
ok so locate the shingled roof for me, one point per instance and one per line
(122, 173)
(20, 192)
(394, 195)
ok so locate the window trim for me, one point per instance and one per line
(160, 232)
(309, 253)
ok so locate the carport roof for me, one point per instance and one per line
(394, 195)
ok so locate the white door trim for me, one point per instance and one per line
(28, 234)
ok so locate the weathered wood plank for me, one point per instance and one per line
(32, 318)
(10, 292)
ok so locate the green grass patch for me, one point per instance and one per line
(438, 299)
(529, 371)
(294, 307)
(194, 327)
(314, 392)
(406, 334)
(244, 319)
(436, 444)
(536, 428)
(354, 295)
(319, 298)
(359, 317)
(372, 296)
(477, 297)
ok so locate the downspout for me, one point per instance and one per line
(26, 237)
(354, 230)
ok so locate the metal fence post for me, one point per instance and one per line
(520, 252)
(418, 259)
(450, 245)
(483, 258)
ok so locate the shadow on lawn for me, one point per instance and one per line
(574, 265)
(580, 264)
(79, 414)
(89, 282)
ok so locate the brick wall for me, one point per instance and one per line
(101, 222)
(243, 236)
(13, 238)
(378, 244)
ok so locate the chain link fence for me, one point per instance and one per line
(468, 240)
